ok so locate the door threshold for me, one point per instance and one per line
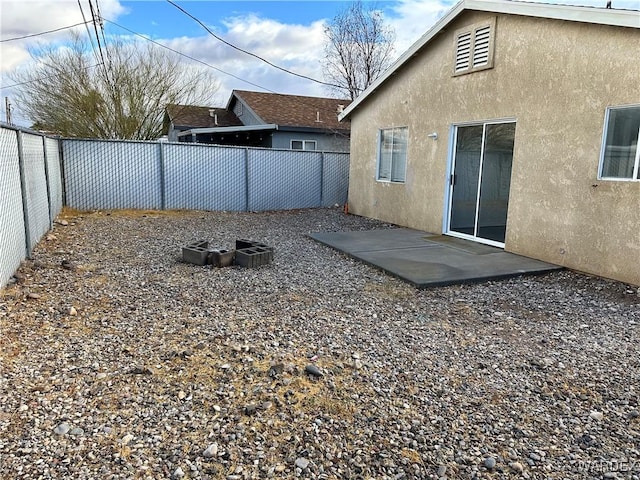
(484, 241)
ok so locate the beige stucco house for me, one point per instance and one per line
(512, 124)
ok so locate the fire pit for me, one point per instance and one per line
(248, 254)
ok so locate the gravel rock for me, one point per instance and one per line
(489, 463)
(302, 463)
(417, 383)
(313, 370)
(62, 429)
(178, 473)
(211, 451)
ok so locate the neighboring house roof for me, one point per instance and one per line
(594, 15)
(201, 117)
(293, 110)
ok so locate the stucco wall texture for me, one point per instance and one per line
(556, 79)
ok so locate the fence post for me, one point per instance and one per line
(63, 181)
(163, 183)
(23, 189)
(47, 179)
(321, 179)
(246, 179)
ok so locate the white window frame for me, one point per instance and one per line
(403, 158)
(479, 44)
(603, 150)
(304, 145)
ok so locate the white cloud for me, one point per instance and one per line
(19, 18)
(294, 47)
(412, 18)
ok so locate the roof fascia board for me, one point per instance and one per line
(320, 130)
(243, 128)
(571, 13)
(413, 50)
(601, 16)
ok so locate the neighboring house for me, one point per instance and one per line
(179, 118)
(512, 124)
(265, 120)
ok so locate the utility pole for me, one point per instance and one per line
(7, 110)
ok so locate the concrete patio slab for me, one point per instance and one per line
(428, 260)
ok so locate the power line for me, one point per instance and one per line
(93, 47)
(45, 77)
(251, 53)
(189, 57)
(95, 27)
(203, 63)
(42, 33)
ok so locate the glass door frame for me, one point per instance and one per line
(453, 137)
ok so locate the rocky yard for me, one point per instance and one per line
(119, 361)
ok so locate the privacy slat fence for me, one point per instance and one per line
(30, 194)
(156, 175)
(40, 174)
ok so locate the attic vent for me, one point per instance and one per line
(474, 48)
(463, 52)
(481, 46)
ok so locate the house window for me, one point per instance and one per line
(620, 152)
(474, 48)
(392, 154)
(303, 144)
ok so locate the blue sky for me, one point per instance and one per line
(161, 19)
(288, 33)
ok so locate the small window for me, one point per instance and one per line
(474, 48)
(392, 154)
(303, 145)
(620, 152)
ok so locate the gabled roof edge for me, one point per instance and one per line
(596, 15)
(234, 94)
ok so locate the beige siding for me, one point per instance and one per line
(556, 79)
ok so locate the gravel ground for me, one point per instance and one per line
(117, 360)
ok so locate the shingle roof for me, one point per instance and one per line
(201, 117)
(295, 110)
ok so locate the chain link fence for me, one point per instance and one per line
(108, 174)
(31, 186)
(36, 181)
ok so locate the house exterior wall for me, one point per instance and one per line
(172, 133)
(244, 114)
(324, 142)
(556, 79)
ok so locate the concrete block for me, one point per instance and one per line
(196, 253)
(221, 257)
(245, 257)
(253, 257)
(242, 243)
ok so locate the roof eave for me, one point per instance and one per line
(240, 128)
(601, 16)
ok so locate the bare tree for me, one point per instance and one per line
(71, 92)
(359, 46)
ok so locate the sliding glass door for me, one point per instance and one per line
(479, 184)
